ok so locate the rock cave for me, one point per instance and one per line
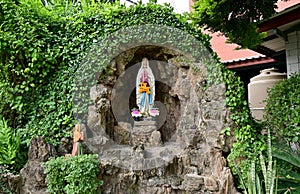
(190, 157)
(185, 155)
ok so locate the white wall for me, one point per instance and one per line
(180, 6)
(293, 53)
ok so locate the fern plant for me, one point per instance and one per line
(9, 144)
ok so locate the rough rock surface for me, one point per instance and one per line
(12, 183)
(33, 177)
(145, 132)
(65, 146)
(188, 157)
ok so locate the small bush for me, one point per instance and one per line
(283, 109)
(71, 175)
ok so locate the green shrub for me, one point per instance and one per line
(9, 145)
(71, 175)
(283, 109)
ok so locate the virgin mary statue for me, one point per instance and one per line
(145, 88)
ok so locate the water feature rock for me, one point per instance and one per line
(155, 138)
(65, 146)
(211, 184)
(145, 132)
(122, 133)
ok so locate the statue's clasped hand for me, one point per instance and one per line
(144, 88)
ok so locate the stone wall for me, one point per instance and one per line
(190, 160)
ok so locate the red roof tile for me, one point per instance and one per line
(228, 52)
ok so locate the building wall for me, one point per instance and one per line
(293, 53)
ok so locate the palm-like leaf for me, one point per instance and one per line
(287, 154)
(289, 181)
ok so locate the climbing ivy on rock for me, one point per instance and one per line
(41, 48)
(249, 140)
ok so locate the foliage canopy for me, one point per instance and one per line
(236, 19)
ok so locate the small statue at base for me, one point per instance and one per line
(77, 139)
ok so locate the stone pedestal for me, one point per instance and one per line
(145, 132)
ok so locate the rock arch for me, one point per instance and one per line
(192, 152)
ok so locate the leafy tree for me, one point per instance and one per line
(236, 19)
(73, 2)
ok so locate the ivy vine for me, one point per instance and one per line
(249, 139)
